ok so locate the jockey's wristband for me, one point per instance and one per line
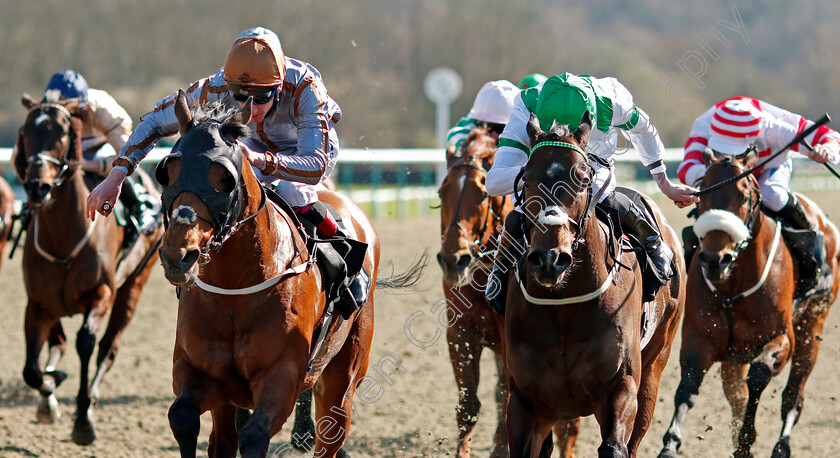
(657, 167)
(121, 167)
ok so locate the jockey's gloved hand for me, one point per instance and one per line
(107, 191)
(823, 153)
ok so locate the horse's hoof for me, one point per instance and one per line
(48, 410)
(84, 433)
(782, 449)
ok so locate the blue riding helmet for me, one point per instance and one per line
(66, 85)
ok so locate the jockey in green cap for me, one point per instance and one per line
(605, 103)
(532, 80)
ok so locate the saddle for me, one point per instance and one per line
(651, 283)
(340, 257)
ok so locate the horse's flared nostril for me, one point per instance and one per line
(440, 260)
(190, 257)
(536, 259)
(562, 261)
(463, 261)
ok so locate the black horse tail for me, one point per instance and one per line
(407, 278)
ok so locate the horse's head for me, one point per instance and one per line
(48, 147)
(203, 186)
(554, 198)
(726, 215)
(467, 213)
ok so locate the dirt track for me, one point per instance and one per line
(415, 415)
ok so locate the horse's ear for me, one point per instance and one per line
(750, 157)
(19, 156)
(244, 115)
(183, 113)
(28, 101)
(710, 156)
(584, 129)
(74, 153)
(534, 130)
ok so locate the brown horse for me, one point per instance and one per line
(578, 338)
(252, 308)
(70, 265)
(7, 209)
(741, 310)
(470, 226)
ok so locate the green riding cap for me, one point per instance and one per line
(564, 99)
(532, 80)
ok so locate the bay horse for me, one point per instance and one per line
(579, 340)
(741, 310)
(251, 308)
(471, 222)
(71, 265)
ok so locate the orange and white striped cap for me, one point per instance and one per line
(736, 124)
(256, 60)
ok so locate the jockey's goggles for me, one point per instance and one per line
(260, 94)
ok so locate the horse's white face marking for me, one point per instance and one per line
(41, 119)
(462, 181)
(554, 170)
(553, 216)
(184, 215)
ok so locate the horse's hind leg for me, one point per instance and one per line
(84, 432)
(734, 378)
(771, 360)
(808, 331)
(465, 356)
(123, 311)
(224, 437)
(567, 433)
(38, 326)
(303, 431)
(500, 442)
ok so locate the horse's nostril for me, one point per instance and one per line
(563, 261)
(535, 259)
(726, 260)
(464, 260)
(440, 259)
(190, 257)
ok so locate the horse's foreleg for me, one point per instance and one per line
(195, 394)
(527, 430)
(465, 356)
(771, 360)
(84, 432)
(616, 417)
(123, 311)
(808, 332)
(37, 327)
(695, 360)
(567, 433)
(500, 446)
(275, 393)
(223, 437)
(734, 378)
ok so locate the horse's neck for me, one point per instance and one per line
(62, 222)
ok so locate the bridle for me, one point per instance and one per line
(65, 167)
(480, 243)
(754, 204)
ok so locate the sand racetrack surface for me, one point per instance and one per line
(415, 414)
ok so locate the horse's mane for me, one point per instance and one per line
(474, 135)
(217, 112)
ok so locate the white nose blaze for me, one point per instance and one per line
(553, 216)
(722, 220)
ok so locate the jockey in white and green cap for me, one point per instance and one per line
(492, 107)
(564, 100)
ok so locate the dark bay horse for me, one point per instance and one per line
(470, 225)
(741, 311)
(251, 309)
(578, 338)
(70, 265)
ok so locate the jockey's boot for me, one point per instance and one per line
(805, 243)
(352, 253)
(143, 209)
(509, 252)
